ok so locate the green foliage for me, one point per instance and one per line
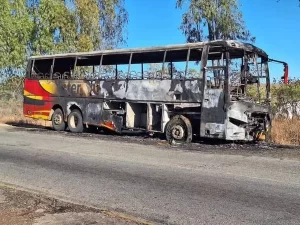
(37, 27)
(87, 17)
(286, 94)
(54, 27)
(213, 19)
(82, 25)
(252, 92)
(113, 19)
(15, 27)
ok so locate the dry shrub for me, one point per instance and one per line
(11, 112)
(286, 131)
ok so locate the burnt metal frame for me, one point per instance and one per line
(267, 75)
(229, 45)
(219, 43)
(51, 69)
(203, 48)
(202, 65)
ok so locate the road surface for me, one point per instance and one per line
(159, 184)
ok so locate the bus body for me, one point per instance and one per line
(196, 89)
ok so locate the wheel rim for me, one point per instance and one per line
(57, 119)
(178, 132)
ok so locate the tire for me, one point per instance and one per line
(75, 121)
(57, 119)
(179, 130)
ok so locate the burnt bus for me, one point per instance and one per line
(215, 89)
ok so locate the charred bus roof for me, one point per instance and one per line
(236, 49)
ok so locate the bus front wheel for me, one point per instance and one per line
(58, 122)
(179, 130)
(75, 121)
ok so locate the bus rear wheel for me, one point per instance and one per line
(75, 121)
(58, 122)
(179, 130)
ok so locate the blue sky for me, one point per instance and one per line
(276, 27)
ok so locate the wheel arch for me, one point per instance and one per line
(71, 106)
(56, 106)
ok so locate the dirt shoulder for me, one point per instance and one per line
(23, 208)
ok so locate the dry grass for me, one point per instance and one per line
(286, 132)
(11, 112)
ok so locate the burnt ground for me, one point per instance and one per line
(200, 145)
(23, 208)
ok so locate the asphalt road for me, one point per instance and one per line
(163, 185)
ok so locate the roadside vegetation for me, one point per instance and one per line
(55, 26)
(286, 112)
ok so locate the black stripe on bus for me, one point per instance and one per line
(31, 101)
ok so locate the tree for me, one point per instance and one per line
(213, 19)
(15, 26)
(54, 27)
(113, 21)
(87, 18)
(38, 27)
(78, 25)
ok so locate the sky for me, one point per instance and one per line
(276, 26)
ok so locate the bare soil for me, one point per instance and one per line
(24, 208)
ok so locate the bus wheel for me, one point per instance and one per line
(58, 122)
(75, 123)
(179, 130)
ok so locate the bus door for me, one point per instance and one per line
(213, 113)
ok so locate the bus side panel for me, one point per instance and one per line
(134, 90)
(95, 112)
(85, 96)
(165, 90)
(98, 99)
(38, 100)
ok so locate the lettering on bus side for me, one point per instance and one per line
(73, 88)
(82, 88)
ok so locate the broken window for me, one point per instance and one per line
(63, 68)
(215, 70)
(186, 68)
(248, 78)
(42, 69)
(237, 88)
(257, 84)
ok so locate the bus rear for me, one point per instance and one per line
(38, 96)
